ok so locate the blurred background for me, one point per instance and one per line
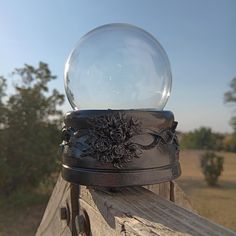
(36, 38)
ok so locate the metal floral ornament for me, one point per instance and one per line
(109, 139)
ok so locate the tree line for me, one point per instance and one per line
(205, 139)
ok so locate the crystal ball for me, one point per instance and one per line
(118, 66)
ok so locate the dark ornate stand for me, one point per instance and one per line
(114, 148)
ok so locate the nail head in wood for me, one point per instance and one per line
(63, 213)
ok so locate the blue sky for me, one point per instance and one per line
(199, 37)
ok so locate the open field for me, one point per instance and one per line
(20, 221)
(215, 203)
(21, 212)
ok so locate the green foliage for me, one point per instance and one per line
(202, 138)
(29, 129)
(23, 198)
(212, 167)
(230, 98)
(230, 143)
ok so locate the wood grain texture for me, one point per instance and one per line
(171, 191)
(51, 223)
(129, 211)
(137, 211)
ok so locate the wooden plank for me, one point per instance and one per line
(137, 211)
(171, 191)
(179, 197)
(51, 223)
(130, 211)
(162, 189)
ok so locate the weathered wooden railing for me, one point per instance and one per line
(153, 210)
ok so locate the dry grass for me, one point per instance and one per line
(21, 212)
(20, 221)
(215, 203)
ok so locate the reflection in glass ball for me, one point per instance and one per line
(118, 66)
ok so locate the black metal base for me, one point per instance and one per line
(113, 148)
(104, 178)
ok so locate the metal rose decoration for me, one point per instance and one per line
(109, 139)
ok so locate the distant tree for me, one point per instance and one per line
(30, 122)
(212, 167)
(230, 98)
(2, 88)
(230, 143)
(202, 138)
(3, 112)
(2, 95)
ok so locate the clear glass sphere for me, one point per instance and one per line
(118, 66)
